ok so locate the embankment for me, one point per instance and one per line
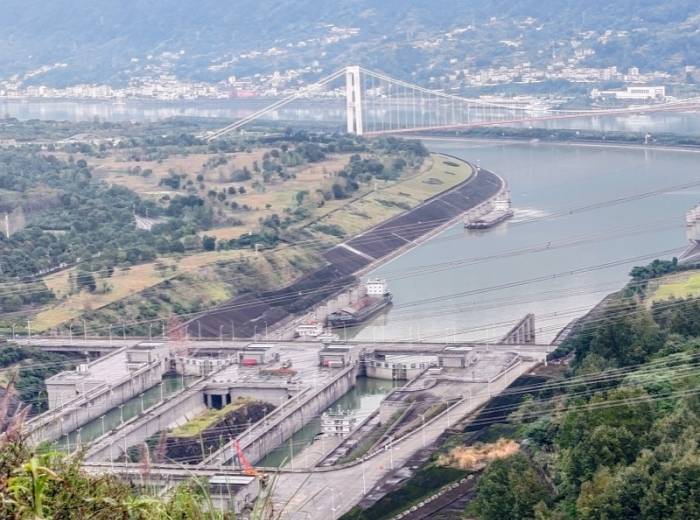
(250, 312)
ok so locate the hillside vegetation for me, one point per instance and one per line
(106, 42)
(619, 439)
(609, 430)
(139, 228)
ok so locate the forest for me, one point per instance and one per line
(618, 438)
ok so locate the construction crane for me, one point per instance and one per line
(247, 468)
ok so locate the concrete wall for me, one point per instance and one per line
(176, 410)
(222, 394)
(60, 392)
(523, 333)
(382, 372)
(51, 425)
(256, 448)
(280, 425)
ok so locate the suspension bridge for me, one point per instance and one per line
(375, 103)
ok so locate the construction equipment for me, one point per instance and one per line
(247, 468)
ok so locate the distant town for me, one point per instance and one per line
(155, 76)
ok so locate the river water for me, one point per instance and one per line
(557, 257)
(686, 123)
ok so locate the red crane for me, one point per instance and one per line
(247, 468)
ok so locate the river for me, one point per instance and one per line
(466, 285)
(685, 123)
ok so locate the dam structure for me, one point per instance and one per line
(298, 379)
(298, 386)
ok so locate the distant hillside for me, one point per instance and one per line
(111, 41)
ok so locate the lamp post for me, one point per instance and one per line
(364, 481)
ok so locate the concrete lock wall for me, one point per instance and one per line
(175, 411)
(256, 447)
(274, 396)
(53, 424)
(523, 333)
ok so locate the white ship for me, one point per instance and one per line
(500, 211)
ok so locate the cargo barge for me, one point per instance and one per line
(376, 297)
(500, 210)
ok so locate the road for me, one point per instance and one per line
(215, 346)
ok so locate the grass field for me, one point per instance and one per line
(125, 283)
(274, 197)
(207, 418)
(393, 198)
(676, 285)
(200, 281)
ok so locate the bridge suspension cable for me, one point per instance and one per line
(376, 103)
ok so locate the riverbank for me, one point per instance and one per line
(607, 140)
(353, 257)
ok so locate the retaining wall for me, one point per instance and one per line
(51, 425)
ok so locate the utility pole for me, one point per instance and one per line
(364, 482)
(291, 450)
(391, 451)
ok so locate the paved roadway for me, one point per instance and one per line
(215, 346)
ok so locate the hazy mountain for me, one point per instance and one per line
(111, 41)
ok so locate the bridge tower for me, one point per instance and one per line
(353, 100)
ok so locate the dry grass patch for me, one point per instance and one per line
(123, 283)
(677, 285)
(391, 199)
(476, 457)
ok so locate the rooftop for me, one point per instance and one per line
(107, 369)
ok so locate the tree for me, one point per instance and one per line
(86, 280)
(510, 488)
(209, 243)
